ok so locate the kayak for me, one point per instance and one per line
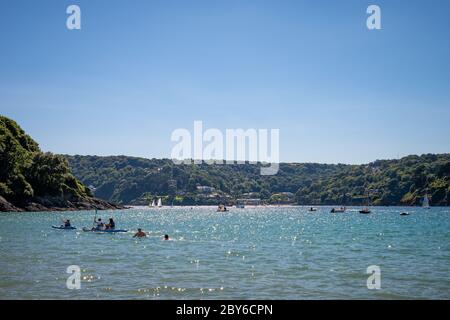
(63, 228)
(104, 231)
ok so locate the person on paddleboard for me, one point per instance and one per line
(140, 234)
(67, 223)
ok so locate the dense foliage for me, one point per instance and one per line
(27, 174)
(133, 180)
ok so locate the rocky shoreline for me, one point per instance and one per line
(54, 204)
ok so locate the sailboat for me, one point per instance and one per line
(152, 205)
(159, 203)
(425, 202)
(366, 209)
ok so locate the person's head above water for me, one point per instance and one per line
(140, 234)
(166, 237)
(99, 219)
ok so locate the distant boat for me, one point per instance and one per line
(336, 210)
(152, 205)
(159, 203)
(312, 209)
(222, 208)
(365, 210)
(425, 202)
(404, 214)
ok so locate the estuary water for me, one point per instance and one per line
(251, 253)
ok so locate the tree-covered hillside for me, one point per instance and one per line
(131, 180)
(33, 180)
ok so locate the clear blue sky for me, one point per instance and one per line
(137, 70)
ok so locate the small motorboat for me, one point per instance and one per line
(404, 214)
(336, 210)
(364, 211)
(222, 208)
(312, 209)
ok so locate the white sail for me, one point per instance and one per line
(159, 202)
(152, 204)
(425, 202)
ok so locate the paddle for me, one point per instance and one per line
(95, 219)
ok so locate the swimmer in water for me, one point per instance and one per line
(140, 234)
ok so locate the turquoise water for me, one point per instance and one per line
(254, 253)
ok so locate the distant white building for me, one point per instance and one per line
(249, 195)
(205, 189)
(248, 202)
